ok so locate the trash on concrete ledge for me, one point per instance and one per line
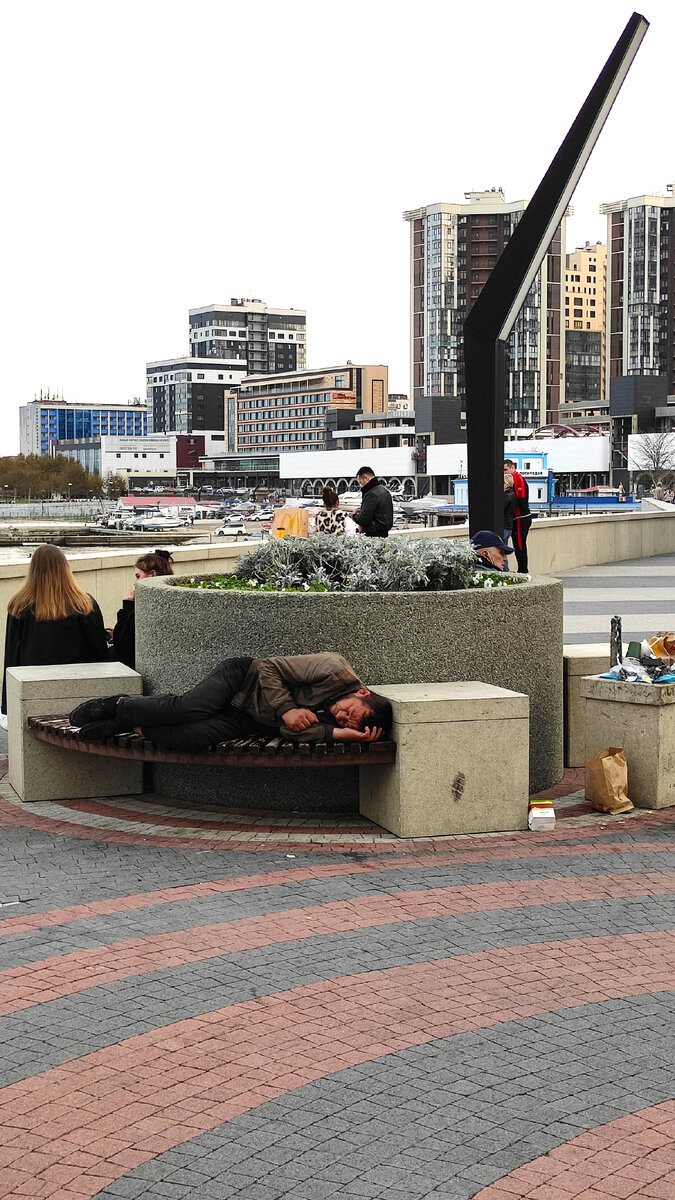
(650, 661)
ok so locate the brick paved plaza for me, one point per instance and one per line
(199, 1005)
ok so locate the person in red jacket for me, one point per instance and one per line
(522, 518)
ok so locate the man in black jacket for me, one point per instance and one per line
(376, 514)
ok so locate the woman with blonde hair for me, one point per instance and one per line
(50, 619)
(509, 505)
(148, 566)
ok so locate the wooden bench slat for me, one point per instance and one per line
(257, 751)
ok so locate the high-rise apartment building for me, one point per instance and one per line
(44, 422)
(247, 331)
(227, 343)
(453, 248)
(585, 358)
(641, 286)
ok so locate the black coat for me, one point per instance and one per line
(376, 514)
(509, 509)
(124, 634)
(74, 639)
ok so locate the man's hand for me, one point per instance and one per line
(298, 719)
(356, 735)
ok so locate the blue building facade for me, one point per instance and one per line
(43, 424)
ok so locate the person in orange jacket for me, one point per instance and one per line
(522, 519)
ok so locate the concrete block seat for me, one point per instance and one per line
(638, 718)
(39, 771)
(462, 761)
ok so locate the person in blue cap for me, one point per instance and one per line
(491, 550)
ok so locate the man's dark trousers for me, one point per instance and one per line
(199, 718)
(521, 528)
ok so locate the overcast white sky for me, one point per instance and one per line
(162, 154)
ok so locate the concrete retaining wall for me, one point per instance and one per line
(556, 544)
(509, 637)
(108, 577)
(561, 543)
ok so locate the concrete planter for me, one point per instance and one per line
(510, 637)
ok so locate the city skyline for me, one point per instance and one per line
(135, 193)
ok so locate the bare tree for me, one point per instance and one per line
(655, 455)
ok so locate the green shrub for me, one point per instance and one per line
(357, 564)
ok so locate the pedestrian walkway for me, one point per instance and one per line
(641, 591)
(202, 1005)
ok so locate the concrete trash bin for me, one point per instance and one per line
(640, 718)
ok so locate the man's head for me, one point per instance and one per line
(361, 709)
(509, 465)
(490, 547)
(364, 475)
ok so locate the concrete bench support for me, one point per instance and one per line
(584, 659)
(461, 763)
(38, 771)
(639, 718)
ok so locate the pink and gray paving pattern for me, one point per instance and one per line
(203, 1005)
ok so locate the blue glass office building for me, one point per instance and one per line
(42, 424)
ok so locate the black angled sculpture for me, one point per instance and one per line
(491, 319)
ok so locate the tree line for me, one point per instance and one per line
(29, 477)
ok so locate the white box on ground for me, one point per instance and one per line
(462, 761)
(639, 718)
(40, 771)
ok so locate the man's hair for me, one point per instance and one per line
(380, 710)
(365, 471)
(509, 462)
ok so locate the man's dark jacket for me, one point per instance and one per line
(376, 514)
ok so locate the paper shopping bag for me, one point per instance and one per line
(607, 781)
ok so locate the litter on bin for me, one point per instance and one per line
(650, 661)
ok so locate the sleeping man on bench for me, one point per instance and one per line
(302, 697)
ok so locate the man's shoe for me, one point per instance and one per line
(97, 731)
(94, 710)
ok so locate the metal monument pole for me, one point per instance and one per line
(491, 319)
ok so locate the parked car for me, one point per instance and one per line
(263, 514)
(232, 529)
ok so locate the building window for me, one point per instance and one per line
(200, 376)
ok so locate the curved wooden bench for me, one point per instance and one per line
(242, 752)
